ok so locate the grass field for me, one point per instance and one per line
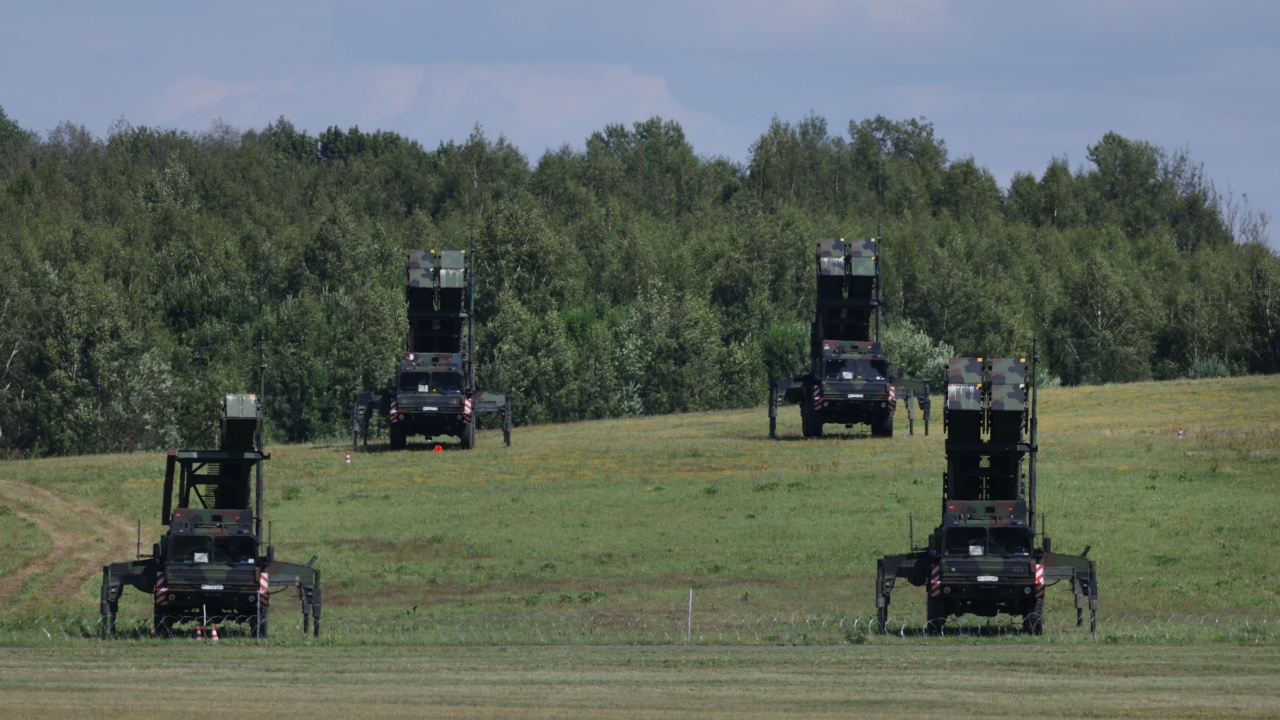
(466, 574)
(908, 681)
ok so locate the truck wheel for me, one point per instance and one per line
(468, 436)
(882, 427)
(804, 418)
(814, 424)
(1033, 620)
(935, 616)
(397, 437)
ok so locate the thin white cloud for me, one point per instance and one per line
(535, 105)
(193, 94)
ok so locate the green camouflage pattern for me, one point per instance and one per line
(983, 559)
(436, 269)
(211, 563)
(433, 390)
(839, 257)
(849, 381)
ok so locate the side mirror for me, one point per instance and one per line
(933, 545)
(1048, 545)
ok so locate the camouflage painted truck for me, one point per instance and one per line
(849, 380)
(433, 392)
(983, 559)
(212, 563)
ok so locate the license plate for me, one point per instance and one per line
(988, 578)
(855, 395)
(210, 587)
(431, 409)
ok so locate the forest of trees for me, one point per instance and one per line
(139, 272)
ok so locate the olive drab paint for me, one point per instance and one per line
(213, 564)
(433, 391)
(983, 559)
(849, 379)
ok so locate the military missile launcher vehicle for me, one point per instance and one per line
(849, 380)
(212, 564)
(433, 391)
(983, 559)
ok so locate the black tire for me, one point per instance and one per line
(815, 419)
(1033, 619)
(935, 616)
(397, 436)
(468, 436)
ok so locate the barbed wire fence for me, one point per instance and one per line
(598, 628)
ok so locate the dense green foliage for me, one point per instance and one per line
(139, 273)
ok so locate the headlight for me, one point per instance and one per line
(172, 597)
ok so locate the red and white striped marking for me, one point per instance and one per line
(264, 590)
(817, 395)
(935, 581)
(1039, 580)
(393, 410)
(162, 590)
(466, 409)
(893, 398)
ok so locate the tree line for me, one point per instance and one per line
(140, 272)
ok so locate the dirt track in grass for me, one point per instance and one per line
(82, 540)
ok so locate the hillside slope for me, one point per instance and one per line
(624, 516)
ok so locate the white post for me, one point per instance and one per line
(688, 638)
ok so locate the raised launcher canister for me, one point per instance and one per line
(212, 565)
(983, 559)
(849, 379)
(433, 391)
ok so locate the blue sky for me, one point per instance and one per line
(1011, 83)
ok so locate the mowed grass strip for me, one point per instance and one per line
(906, 681)
(625, 516)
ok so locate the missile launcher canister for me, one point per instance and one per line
(849, 380)
(433, 391)
(213, 565)
(984, 559)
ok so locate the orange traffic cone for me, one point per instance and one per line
(213, 633)
(348, 457)
(199, 632)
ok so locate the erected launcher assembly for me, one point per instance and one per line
(849, 380)
(434, 389)
(212, 563)
(982, 559)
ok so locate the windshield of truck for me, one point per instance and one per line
(415, 382)
(446, 381)
(856, 369)
(440, 381)
(202, 549)
(966, 541)
(1010, 541)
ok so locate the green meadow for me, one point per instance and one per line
(553, 578)
(624, 517)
